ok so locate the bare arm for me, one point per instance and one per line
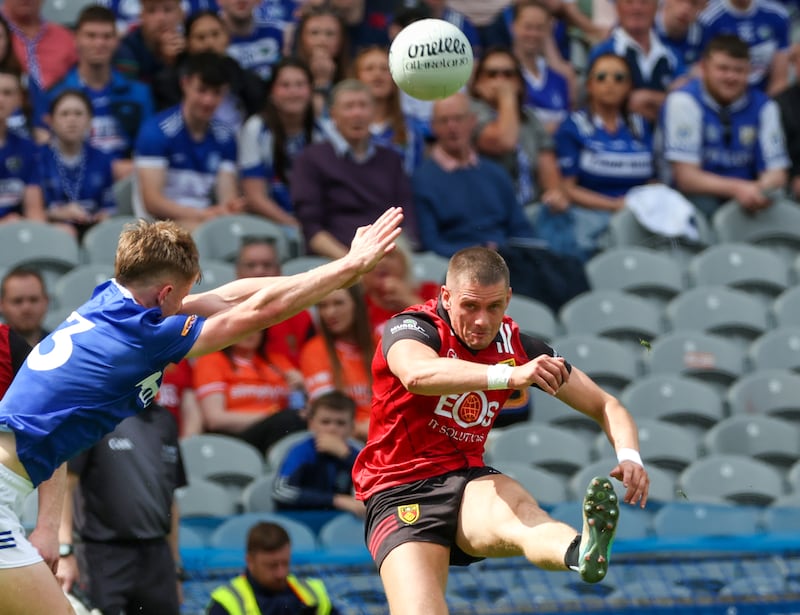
(255, 193)
(67, 572)
(151, 183)
(217, 417)
(51, 501)
(589, 198)
(33, 204)
(501, 135)
(191, 416)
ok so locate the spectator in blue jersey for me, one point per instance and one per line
(321, 41)
(764, 26)
(267, 584)
(603, 150)
(679, 29)
(789, 105)
(723, 138)
(120, 341)
(76, 177)
(245, 93)
(282, 13)
(652, 65)
(20, 180)
(155, 43)
(271, 140)
(510, 133)
(340, 183)
(127, 12)
(367, 24)
(440, 10)
(185, 160)
(20, 120)
(315, 474)
(119, 105)
(390, 127)
(255, 45)
(550, 86)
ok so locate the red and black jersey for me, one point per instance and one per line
(13, 350)
(413, 437)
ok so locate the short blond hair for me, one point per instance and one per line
(150, 250)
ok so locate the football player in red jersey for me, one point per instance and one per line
(444, 370)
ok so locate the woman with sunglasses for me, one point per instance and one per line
(510, 133)
(604, 151)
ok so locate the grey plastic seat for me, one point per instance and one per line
(664, 445)
(769, 391)
(39, 245)
(673, 398)
(232, 533)
(613, 314)
(776, 349)
(718, 309)
(710, 358)
(769, 439)
(612, 364)
(749, 587)
(278, 451)
(733, 478)
(533, 317)
(203, 498)
(551, 410)
(213, 274)
(546, 487)
(220, 238)
(793, 478)
(652, 590)
(75, 287)
(780, 518)
(776, 227)
(257, 494)
(750, 268)
(344, 531)
(99, 243)
(301, 264)
(638, 270)
(429, 267)
(549, 447)
(222, 459)
(786, 308)
(662, 483)
(695, 519)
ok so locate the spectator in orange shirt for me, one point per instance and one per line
(243, 394)
(340, 356)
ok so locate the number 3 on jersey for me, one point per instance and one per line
(62, 345)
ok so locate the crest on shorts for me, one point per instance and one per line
(409, 513)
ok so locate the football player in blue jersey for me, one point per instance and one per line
(105, 363)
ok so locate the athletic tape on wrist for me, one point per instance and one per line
(498, 376)
(629, 454)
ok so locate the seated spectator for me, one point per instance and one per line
(244, 95)
(243, 394)
(510, 133)
(764, 26)
(390, 127)
(185, 158)
(76, 177)
(271, 140)
(154, 43)
(340, 355)
(550, 86)
(367, 24)
(678, 28)
(255, 45)
(346, 182)
(321, 42)
(20, 121)
(20, 179)
(177, 395)
(789, 105)
(127, 12)
(24, 303)
(119, 105)
(439, 9)
(652, 66)
(267, 581)
(723, 138)
(258, 257)
(316, 472)
(604, 150)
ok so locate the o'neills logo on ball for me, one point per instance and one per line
(445, 45)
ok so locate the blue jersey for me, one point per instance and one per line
(687, 49)
(100, 366)
(741, 141)
(277, 12)
(610, 164)
(191, 166)
(259, 51)
(462, 22)
(412, 151)
(764, 27)
(86, 180)
(118, 110)
(654, 71)
(128, 11)
(18, 170)
(546, 95)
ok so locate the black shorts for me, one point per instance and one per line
(423, 511)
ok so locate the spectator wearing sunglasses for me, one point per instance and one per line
(603, 151)
(723, 138)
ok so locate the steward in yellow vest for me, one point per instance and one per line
(239, 598)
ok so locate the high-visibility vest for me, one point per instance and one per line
(238, 597)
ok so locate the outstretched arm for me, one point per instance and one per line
(258, 303)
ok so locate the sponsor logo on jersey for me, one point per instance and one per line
(120, 444)
(187, 326)
(408, 513)
(408, 324)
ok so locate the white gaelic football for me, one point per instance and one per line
(430, 59)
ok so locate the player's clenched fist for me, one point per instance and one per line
(546, 372)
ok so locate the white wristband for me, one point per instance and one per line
(629, 454)
(498, 376)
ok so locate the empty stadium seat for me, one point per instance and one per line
(222, 459)
(664, 445)
(74, 288)
(662, 484)
(39, 245)
(546, 487)
(213, 274)
(549, 447)
(232, 533)
(612, 364)
(99, 243)
(429, 267)
(776, 349)
(220, 238)
(300, 264)
(768, 391)
(786, 308)
(257, 494)
(203, 498)
(549, 409)
(694, 519)
(533, 317)
(733, 478)
(769, 439)
(625, 230)
(344, 531)
(776, 227)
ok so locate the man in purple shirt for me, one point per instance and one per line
(342, 183)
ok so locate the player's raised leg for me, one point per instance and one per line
(32, 590)
(414, 576)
